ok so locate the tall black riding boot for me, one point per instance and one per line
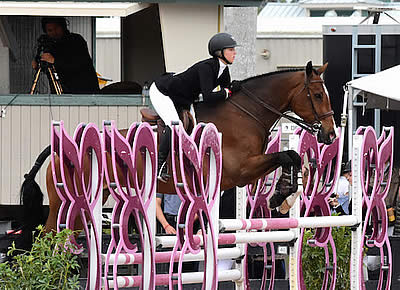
(163, 151)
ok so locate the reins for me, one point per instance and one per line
(311, 128)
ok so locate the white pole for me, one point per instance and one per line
(146, 269)
(294, 213)
(352, 111)
(236, 238)
(343, 124)
(97, 214)
(290, 223)
(241, 203)
(357, 212)
(212, 241)
(131, 259)
(187, 278)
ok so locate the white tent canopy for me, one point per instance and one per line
(382, 90)
(54, 8)
(385, 83)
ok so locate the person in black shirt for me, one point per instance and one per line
(70, 56)
(206, 81)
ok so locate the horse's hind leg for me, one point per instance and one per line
(54, 202)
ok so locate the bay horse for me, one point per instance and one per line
(245, 121)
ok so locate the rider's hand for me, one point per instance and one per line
(34, 64)
(169, 230)
(333, 202)
(235, 86)
(48, 57)
(228, 93)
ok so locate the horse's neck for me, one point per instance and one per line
(262, 100)
(274, 91)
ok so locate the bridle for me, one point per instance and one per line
(312, 128)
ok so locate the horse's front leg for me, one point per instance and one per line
(258, 166)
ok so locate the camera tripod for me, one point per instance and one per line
(53, 76)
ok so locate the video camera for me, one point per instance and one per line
(45, 44)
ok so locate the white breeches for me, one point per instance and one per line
(164, 106)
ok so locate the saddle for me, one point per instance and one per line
(150, 116)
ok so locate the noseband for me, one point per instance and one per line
(313, 128)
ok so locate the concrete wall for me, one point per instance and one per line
(287, 53)
(186, 30)
(242, 24)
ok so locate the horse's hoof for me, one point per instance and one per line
(276, 200)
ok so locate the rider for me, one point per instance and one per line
(206, 81)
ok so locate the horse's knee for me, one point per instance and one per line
(284, 159)
(289, 158)
(296, 159)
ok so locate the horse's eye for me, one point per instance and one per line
(318, 96)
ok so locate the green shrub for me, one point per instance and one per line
(49, 265)
(314, 259)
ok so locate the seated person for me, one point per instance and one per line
(168, 218)
(340, 201)
(69, 54)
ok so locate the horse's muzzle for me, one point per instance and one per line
(326, 137)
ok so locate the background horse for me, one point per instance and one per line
(245, 121)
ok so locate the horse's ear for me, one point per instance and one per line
(309, 68)
(322, 69)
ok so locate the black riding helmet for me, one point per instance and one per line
(219, 42)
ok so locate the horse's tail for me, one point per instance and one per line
(31, 198)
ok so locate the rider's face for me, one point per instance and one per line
(230, 54)
(54, 30)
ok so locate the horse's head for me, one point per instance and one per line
(313, 105)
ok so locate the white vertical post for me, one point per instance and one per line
(352, 119)
(356, 200)
(241, 203)
(146, 269)
(212, 241)
(97, 214)
(294, 213)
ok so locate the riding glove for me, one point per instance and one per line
(235, 86)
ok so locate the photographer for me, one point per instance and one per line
(69, 54)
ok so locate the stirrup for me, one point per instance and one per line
(163, 175)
